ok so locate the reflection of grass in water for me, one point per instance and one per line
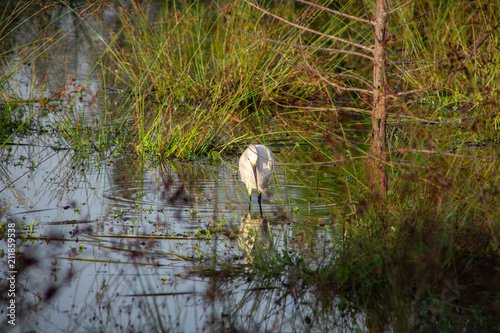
(418, 263)
(430, 260)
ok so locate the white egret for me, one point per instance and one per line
(256, 167)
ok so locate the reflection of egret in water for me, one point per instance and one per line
(256, 167)
(254, 233)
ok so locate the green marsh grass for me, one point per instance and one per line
(198, 83)
(460, 38)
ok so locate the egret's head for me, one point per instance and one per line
(252, 156)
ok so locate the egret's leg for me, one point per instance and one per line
(260, 206)
(249, 203)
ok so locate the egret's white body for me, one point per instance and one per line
(256, 167)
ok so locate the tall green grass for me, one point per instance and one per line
(451, 43)
(198, 82)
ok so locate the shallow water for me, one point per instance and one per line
(105, 218)
(114, 244)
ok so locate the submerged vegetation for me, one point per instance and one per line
(191, 81)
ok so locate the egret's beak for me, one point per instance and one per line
(254, 168)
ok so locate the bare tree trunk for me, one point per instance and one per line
(378, 147)
(379, 88)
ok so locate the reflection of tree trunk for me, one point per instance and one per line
(378, 148)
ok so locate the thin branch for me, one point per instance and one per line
(462, 64)
(423, 15)
(441, 122)
(315, 72)
(398, 8)
(335, 12)
(341, 40)
(401, 150)
(347, 76)
(437, 152)
(438, 59)
(342, 160)
(316, 48)
(314, 108)
(351, 76)
(410, 70)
